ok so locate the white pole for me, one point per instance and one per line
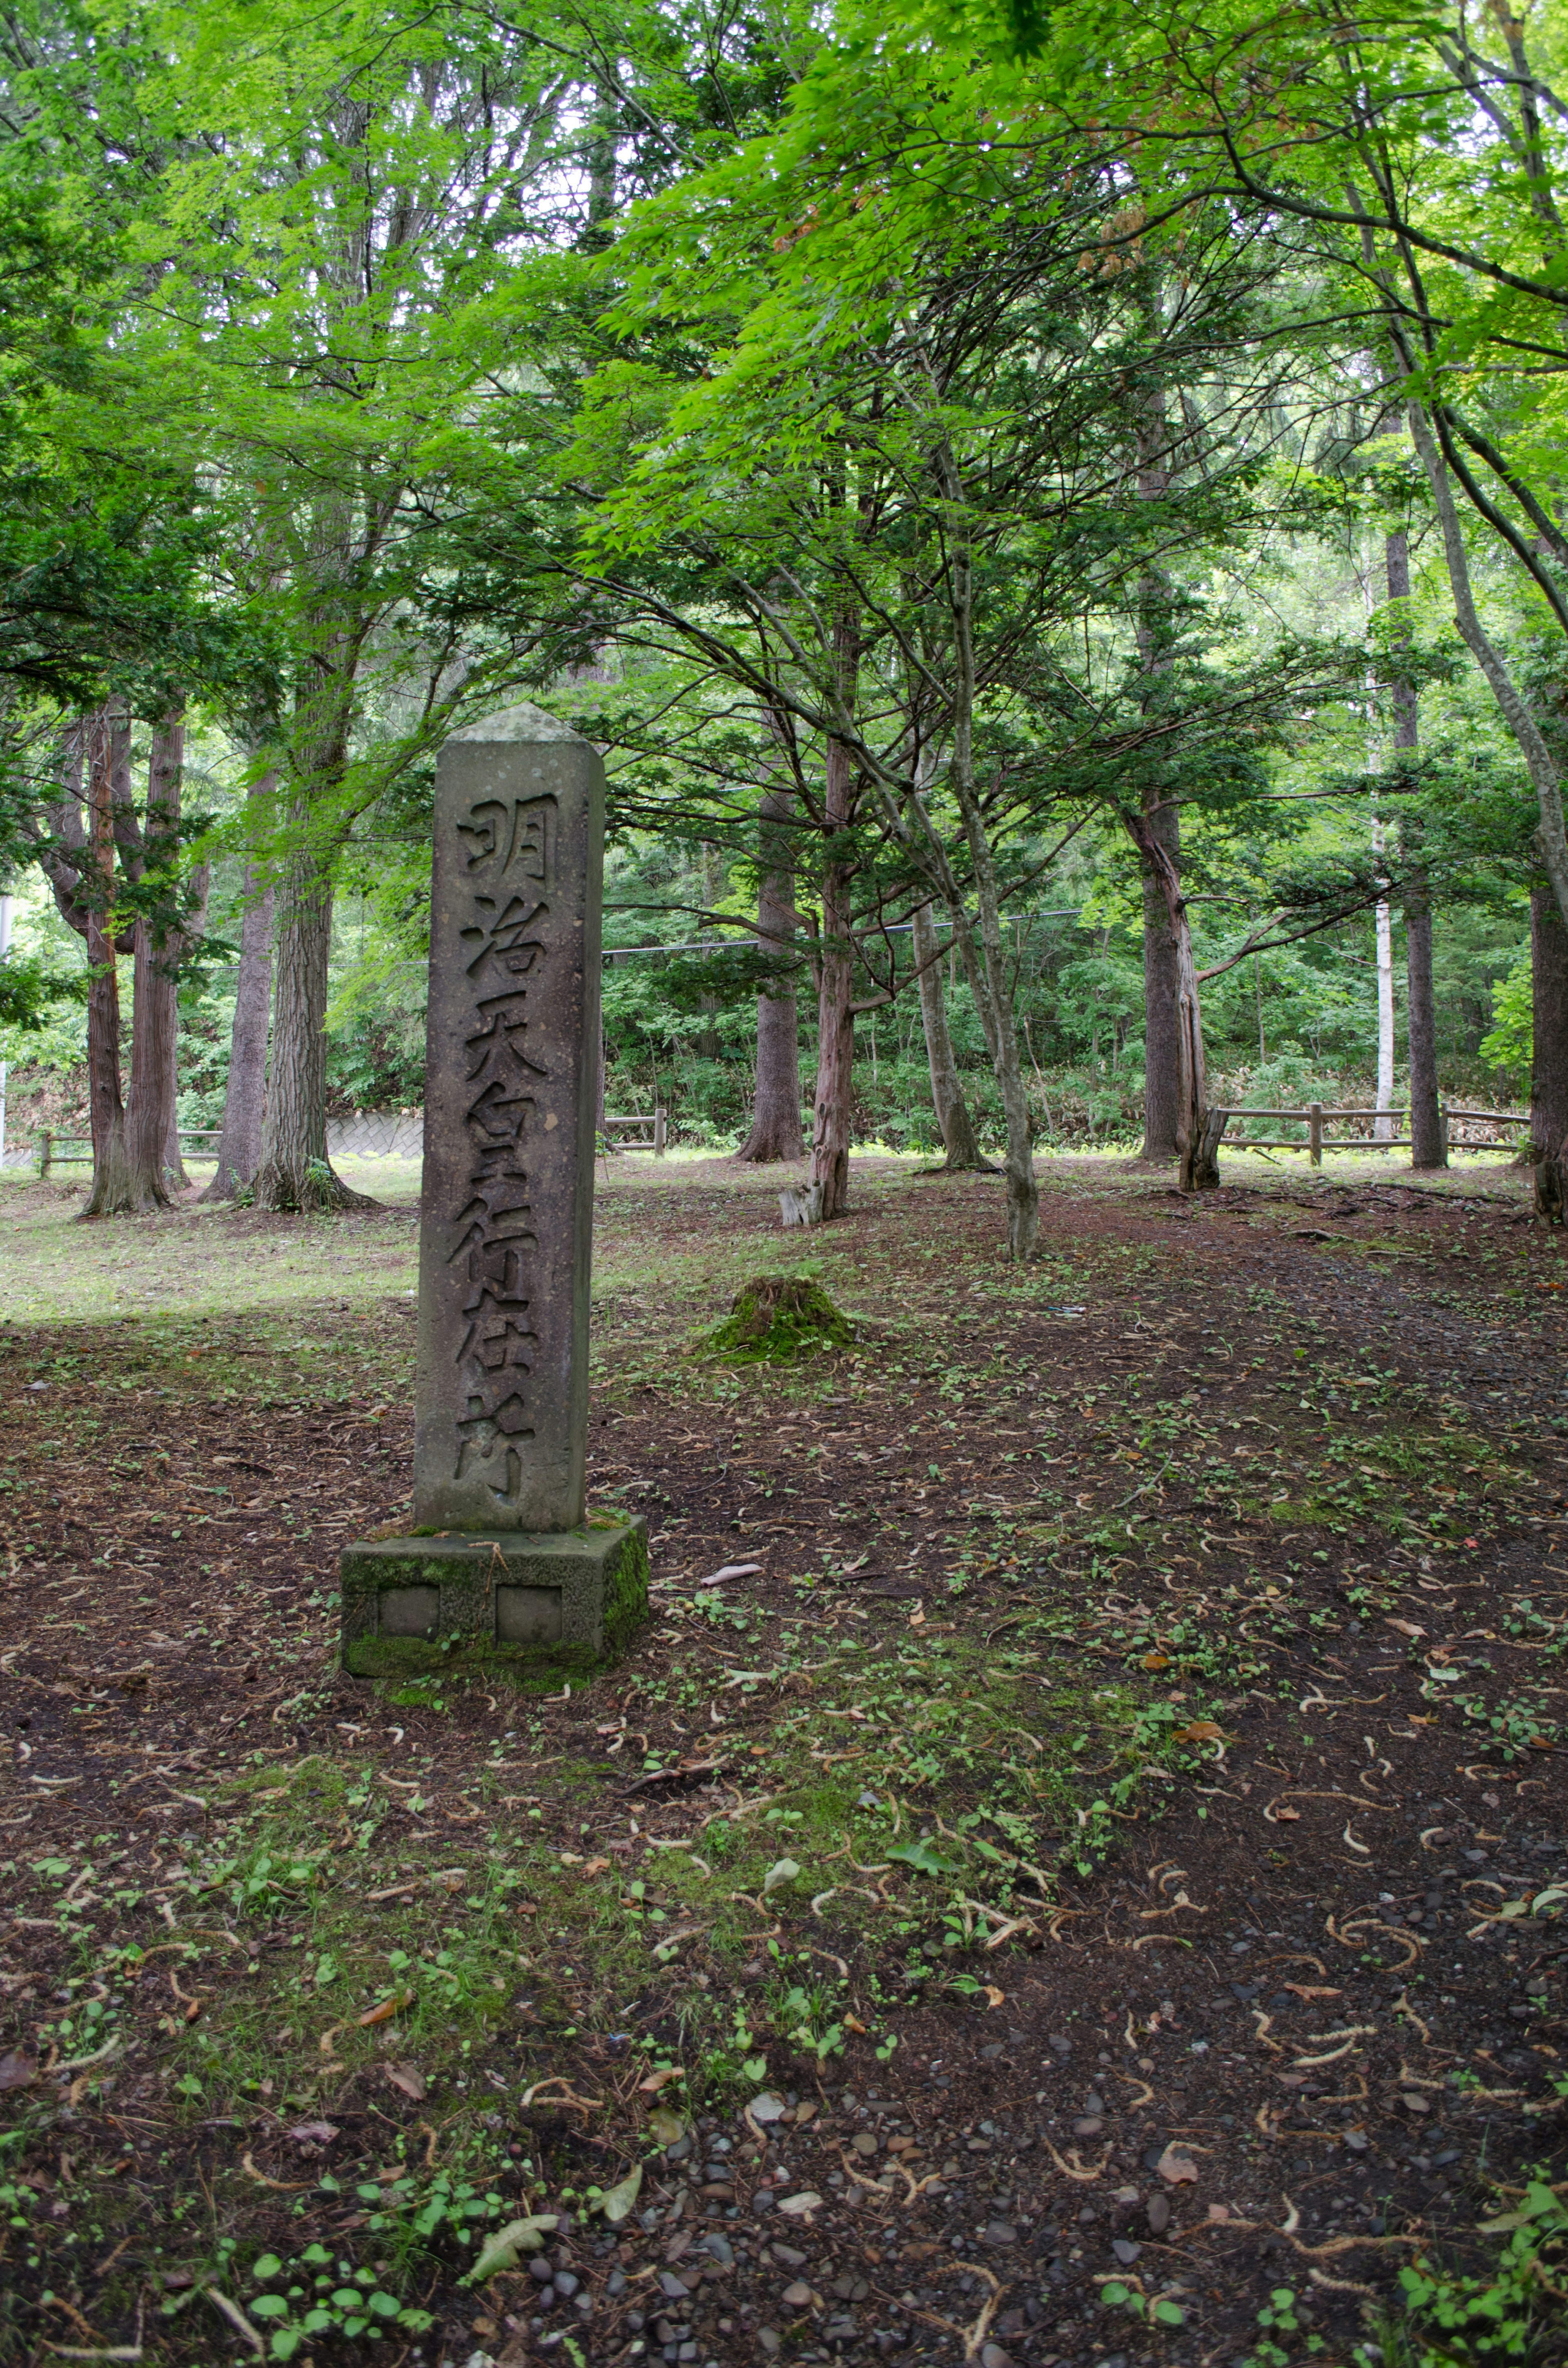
(6, 906)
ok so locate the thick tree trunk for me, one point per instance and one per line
(775, 1132)
(1196, 1139)
(108, 737)
(959, 1139)
(294, 1171)
(239, 1150)
(1549, 1065)
(1162, 996)
(151, 1119)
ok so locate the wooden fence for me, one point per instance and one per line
(652, 1132)
(50, 1154)
(1314, 1117)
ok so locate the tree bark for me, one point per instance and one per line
(245, 1095)
(1162, 996)
(159, 943)
(108, 737)
(1197, 1141)
(1421, 1018)
(833, 1098)
(1549, 1064)
(1383, 1126)
(959, 1140)
(775, 1132)
(294, 1171)
(988, 973)
(1163, 1022)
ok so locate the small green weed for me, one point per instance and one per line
(313, 2293)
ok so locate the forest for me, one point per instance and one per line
(1051, 520)
(1116, 678)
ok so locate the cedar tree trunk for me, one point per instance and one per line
(294, 1170)
(1162, 995)
(1196, 1131)
(151, 1120)
(959, 1140)
(776, 1115)
(239, 1150)
(108, 742)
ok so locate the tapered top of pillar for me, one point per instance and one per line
(523, 722)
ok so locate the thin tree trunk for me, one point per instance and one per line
(989, 983)
(1154, 630)
(1549, 1063)
(151, 1117)
(108, 733)
(294, 1170)
(775, 1132)
(833, 1098)
(959, 1140)
(1421, 1018)
(1383, 923)
(239, 1150)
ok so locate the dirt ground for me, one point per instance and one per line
(1085, 1890)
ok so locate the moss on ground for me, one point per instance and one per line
(778, 1318)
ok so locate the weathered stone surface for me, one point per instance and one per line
(511, 1044)
(502, 1568)
(563, 1601)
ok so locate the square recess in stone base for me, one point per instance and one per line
(562, 1602)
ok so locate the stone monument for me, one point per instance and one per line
(503, 1564)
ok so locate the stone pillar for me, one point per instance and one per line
(501, 1561)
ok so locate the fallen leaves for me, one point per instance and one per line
(1177, 2168)
(408, 2080)
(17, 2070)
(616, 2202)
(386, 2009)
(501, 2250)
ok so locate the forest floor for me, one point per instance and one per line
(1088, 1896)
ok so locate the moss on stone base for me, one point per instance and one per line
(545, 1606)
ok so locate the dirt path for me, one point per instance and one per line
(1112, 1832)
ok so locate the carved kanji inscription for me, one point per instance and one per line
(511, 1061)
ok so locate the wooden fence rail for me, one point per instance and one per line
(652, 1135)
(1315, 1116)
(49, 1155)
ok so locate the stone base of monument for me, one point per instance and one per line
(556, 1604)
